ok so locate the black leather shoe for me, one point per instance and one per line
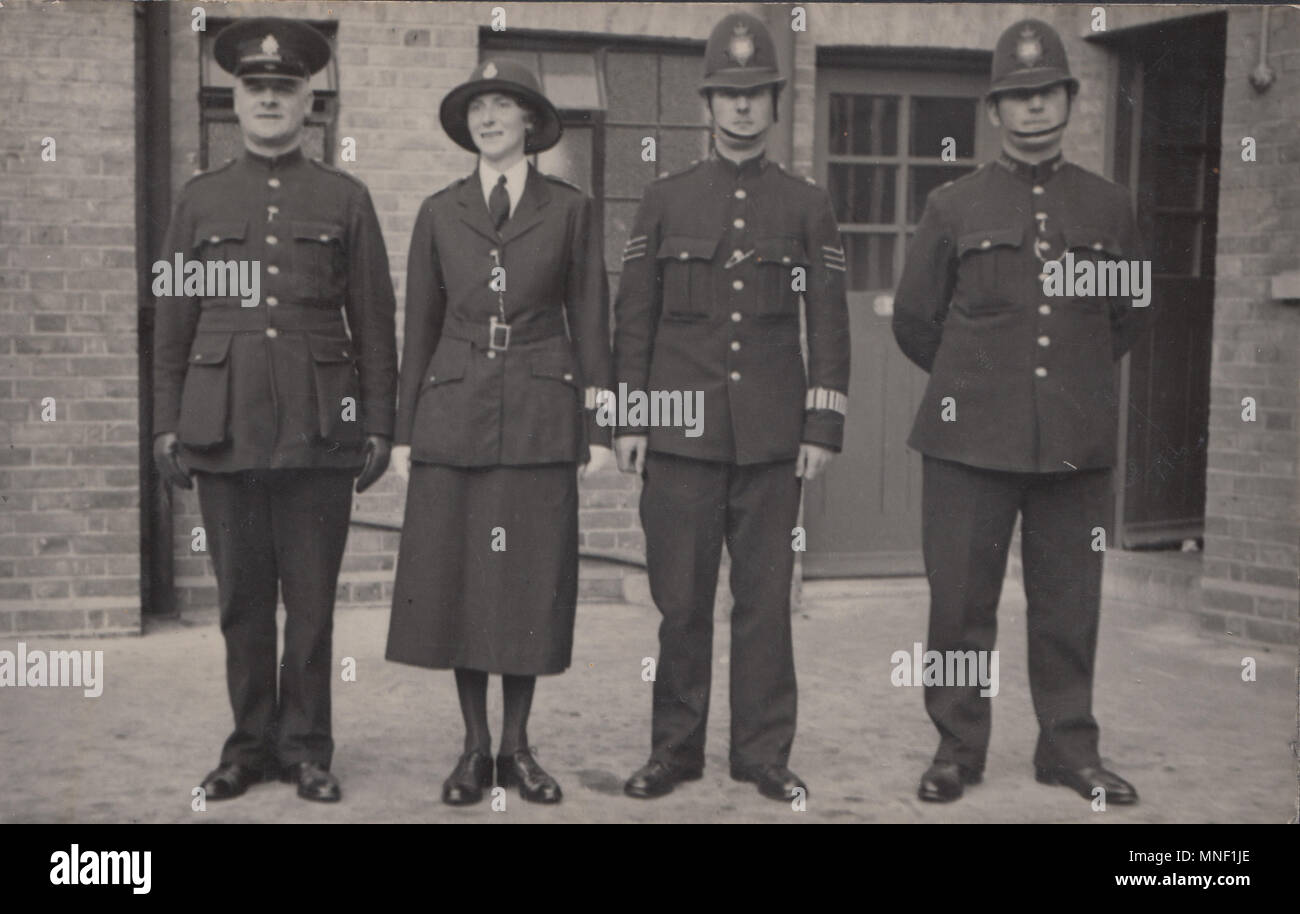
(776, 782)
(227, 781)
(944, 782)
(535, 785)
(1084, 781)
(314, 781)
(465, 784)
(658, 778)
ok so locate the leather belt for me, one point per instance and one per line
(282, 317)
(495, 334)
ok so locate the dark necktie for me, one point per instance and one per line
(499, 203)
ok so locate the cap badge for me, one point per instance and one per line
(1029, 49)
(741, 48)
(490, 71)
(270, 46)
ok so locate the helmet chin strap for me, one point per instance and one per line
(1030, 134)
(739, 137)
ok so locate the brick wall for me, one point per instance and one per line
(69, 527)
(1252, 528)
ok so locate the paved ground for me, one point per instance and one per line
(1200, 744)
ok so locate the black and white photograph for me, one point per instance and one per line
(649, 413)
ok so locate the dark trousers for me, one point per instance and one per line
(285, 527)
(687, 508)
(968, 516)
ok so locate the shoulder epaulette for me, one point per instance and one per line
(333, 170)
(668, 176)
(210, 172)
(556, 179)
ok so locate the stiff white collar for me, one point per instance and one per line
(516, 175)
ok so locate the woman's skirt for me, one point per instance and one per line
(487, 570)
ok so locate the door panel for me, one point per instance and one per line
(880, 136)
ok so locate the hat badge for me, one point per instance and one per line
(270, 46)
(490, 71)
(1029, 49)
(741, 47)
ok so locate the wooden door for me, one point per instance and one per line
(879, 150)
(1168, 116)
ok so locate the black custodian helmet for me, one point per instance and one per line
(1030, 55)
(740, 55)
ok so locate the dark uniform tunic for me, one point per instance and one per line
(271, 404)
(713, 273)
(496, 426)
(1032, 381)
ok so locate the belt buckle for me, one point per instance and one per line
(493, 326)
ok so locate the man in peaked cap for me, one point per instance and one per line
(1019, 416)
(713, 273)
(276, 403)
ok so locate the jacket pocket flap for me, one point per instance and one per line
(685, 247)
(784, 251)
(331, 349)
(1093, 239)
(448, 362)
(556, 366)
(217, 232)
(985, 239)
(324, 232)
(210, 349)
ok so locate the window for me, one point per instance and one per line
(219, 136)
(611, 100)
(884, 137)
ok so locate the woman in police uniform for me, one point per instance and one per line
(506, 349)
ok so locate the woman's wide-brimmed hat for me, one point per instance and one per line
(508, 77)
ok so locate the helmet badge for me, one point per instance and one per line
(1029, 49)
(270, 47)
(490, 71)
(741, 47)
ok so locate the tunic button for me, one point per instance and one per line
(273, 270)
(272, 332)
(1040, 215)
(739, 223)
(568, 377)
(738, 284)
(1038, 189)
(684, 255)
(1044, 309)
(1044, 341)
(198, 357)
(271, 239)
(737, 254)
(735, 376)
(1096, 245)
(272, 301)
(735, 316)
(986, 243)
(1042, 244)
(735, 345)
(740, 193)
(324, 237)
(273, 182)
(1040, 371)
(432, 378)
(785, 259)
(492, 353)
(215, 238)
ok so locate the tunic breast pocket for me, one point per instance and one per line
(988, 269)
(220, 241)
(686, 264)
(1108, 271)
(338, 403)
(775, 262)
(205, 398)
(319, 264)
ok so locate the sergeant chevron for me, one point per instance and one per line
(209, 279)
